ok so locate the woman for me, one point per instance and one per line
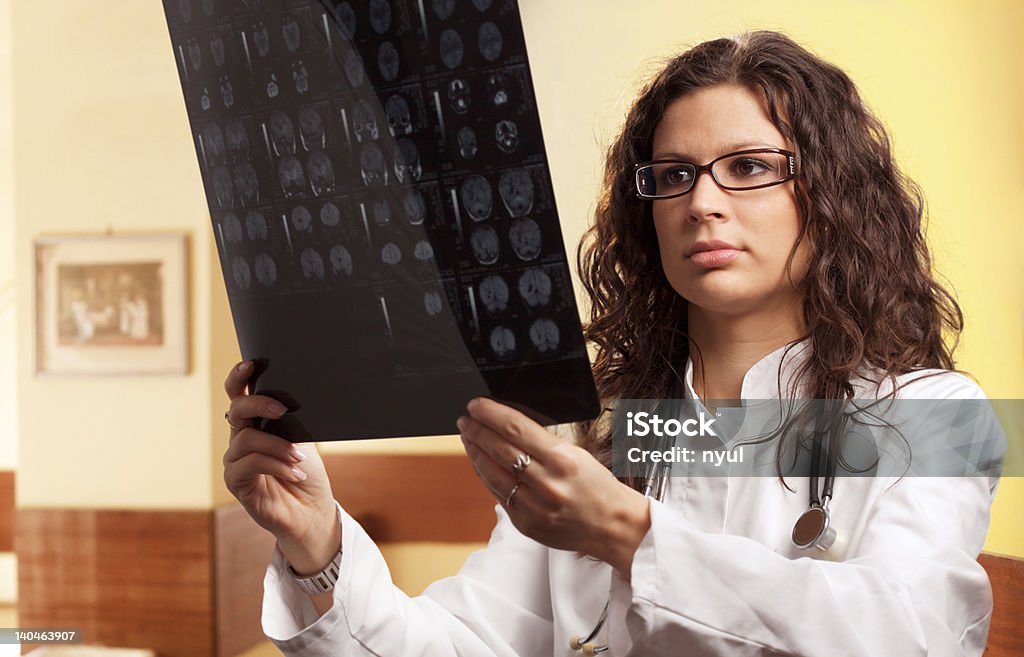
(754, 240)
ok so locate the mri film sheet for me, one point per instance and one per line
(383, 210)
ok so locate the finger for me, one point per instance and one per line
(513, 426)
(497, 480)
(237, 379)
(238, 474)
(250, 441)
(500, 450)
(246, 407)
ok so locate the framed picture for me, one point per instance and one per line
(112, 304)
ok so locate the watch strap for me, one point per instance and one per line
(320, 582)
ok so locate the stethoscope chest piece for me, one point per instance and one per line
(812, 529)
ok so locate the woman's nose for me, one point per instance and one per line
(707, 199)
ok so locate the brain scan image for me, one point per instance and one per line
(207, 6)
(423, 251)
(256, 226)
(516, 189)
(185, 10)
(213, 143)
(222, 189)
(544, 335)
(204, 102)
(266, 270)
(321, 173)
(282, 134)
(240, 270)
(330, 215)
(390, 254)
(347, 18)
(227, 92)
(535, 288)
(399, 116)
(497, 87)
(493, 293)
(300, 76)
(452, 50)
(341, 260)
(374, 166)
(217, 51)
(364, 122)
(459, 96)
(407, 161)
(466, 139)
(291, 33)
(524, 235)
(261, 39)
(312, 265)
(484, 242)
(247, 184)
(443, 9)
(272, 88)
(195, 54)
(311, 129)
(354, 72)
(388, 61)
(302, 220)
(490, 41)
(381, 211)
(477, 197)
(503, 342)
(380, 16)
(415, 207)
(432, 302)
(231, 227)
(237, 140)
(293, 179)
(506, 135)
(482, 5)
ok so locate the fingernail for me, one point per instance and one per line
(473, 403)
(461, 423)
(299, 474)
(244, 365)
(294, 452)
(276, 408)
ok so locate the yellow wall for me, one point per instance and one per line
(103, 142)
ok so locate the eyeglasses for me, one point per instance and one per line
(742, 170)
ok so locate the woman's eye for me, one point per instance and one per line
(749, 167)
(677, 176)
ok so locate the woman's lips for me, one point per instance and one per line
(714, 257)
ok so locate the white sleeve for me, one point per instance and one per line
(499, 605)
(913, 588)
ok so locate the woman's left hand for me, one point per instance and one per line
(565, 498)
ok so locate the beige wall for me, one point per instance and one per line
(103, 144)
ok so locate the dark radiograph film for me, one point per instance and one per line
(383, 210)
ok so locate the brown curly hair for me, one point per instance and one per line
(870, 301)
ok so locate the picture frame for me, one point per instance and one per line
(112, 304)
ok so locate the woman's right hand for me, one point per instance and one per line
(282, 485)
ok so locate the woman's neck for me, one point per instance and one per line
(724, 347)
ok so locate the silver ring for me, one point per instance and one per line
(520, 464)
(228, 420)
(508, 500)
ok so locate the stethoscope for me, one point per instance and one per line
(812, 528)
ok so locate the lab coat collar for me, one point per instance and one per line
(763, 378)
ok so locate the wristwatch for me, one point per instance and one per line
(320, 582)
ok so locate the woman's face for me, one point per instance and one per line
(746, 235)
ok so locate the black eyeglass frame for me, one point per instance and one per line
(700, 168)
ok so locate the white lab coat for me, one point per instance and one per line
(716, 574)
